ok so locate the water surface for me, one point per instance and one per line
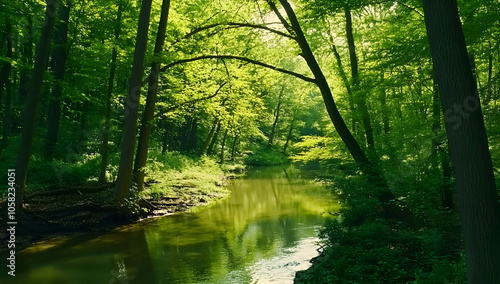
(264, 232)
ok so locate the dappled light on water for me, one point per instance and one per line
(263, 233)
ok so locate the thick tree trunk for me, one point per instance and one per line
(124, 178)
(468, 144)
(34, 96)
(60, 56)
(148, 115)
(107, 123)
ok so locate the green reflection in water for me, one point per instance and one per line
(261, 234)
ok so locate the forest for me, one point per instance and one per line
(118, 111)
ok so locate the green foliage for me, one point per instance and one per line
(266, 156)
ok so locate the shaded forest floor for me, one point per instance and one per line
(77, 210)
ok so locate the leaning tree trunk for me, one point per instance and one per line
(148, 115)
(371, 170)
(34, 96)
(124, 178)
(468, 143)
(60, 56)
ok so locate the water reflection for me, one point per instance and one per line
(261, 234)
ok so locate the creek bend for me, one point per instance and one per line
(264, 232)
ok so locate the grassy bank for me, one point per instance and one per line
(174, 183)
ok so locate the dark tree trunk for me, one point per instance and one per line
(107, 123)
(60, 57)
(124, 178)
(5, 82)
(193, 135)
(276, 118)
(468, 144)
(34, 96)
(209, 138)
(148, 115)
(214, 140)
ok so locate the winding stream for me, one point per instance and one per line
(264, 232)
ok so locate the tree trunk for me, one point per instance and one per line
(350, 95)
(5, 81)
(34, 96)
(372, 171)
(276, 118)
(107, 123)
(148, 115)
(359, 96)
(214, 140)
(223, 144)
(209, 138)
(468, 144)
(233, 148)
(124, 178)
(289, 136)
(60, 56)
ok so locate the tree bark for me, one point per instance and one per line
(107, 123)
(148, 115)
(60, 56)
(468, 144)
(124, 178)
(34, 96)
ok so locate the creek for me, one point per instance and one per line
(263, 233)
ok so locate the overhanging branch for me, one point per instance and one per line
(252, 61)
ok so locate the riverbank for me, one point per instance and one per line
(70, 211)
